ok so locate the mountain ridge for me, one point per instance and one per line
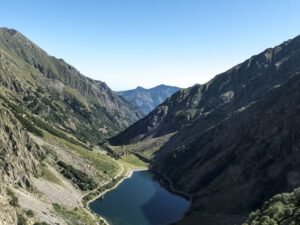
(91, 100)
(230, 144)
(53, 120)
(217, 149)
(148, 99)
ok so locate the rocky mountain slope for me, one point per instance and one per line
(18, 159)
(235, 139)
(148, 99)
(52, 119)
(58, 93)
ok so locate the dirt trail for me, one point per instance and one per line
(87, 209)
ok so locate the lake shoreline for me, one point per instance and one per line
(169, 187)
(127, 176)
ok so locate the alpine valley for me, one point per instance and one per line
(231, 146)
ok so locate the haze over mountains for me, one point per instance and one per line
(148, 99)
(230, 144)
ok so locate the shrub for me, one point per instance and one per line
(30, 213)
(22, 220)
(13, 199)
(40, 223)
(56, 206)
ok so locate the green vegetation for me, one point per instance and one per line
(28, 125)
(50, 151)
(31, 123)
(30, 213)
(75, 216)
(21, 220)
(21, 115)
(48, 175)
(45, 126)
(78, 177)
(42, 156)
(13, 198)
(282, 209)
(101, 189)
(41, 223)
(133, 160)
(101, 162)
(60, 95)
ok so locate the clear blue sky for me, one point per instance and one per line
(127, 43)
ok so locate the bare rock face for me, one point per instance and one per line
(17, 152)
(17, 161)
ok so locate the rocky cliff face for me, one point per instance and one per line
(18, 159)
(18, 152)
(148, 99)
(236, 139)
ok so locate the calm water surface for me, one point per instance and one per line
(140, 200)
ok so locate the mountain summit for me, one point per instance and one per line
(148, 99)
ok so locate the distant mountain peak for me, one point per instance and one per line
(162, 85)
(140, 88)
(9, 31)
(148, 99)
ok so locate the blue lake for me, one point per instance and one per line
(140, 200)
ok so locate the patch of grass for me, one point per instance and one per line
(101, 162)
(74, 216)
(48, 175)
(133, 160)
(45, 126)
(104, 164)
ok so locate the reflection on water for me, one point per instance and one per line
(140, 200)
